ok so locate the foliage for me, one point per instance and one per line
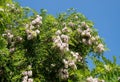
(44, 48)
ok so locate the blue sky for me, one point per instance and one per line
(104, 13)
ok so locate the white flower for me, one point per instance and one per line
(83, 24)
(72, 52)
(93, 39)
(37, 31)
(33, 22)
(4, 35)
(65, 45)
(75, 54)
(9, 35)
(67, 49)
(79, 58)
(71, 24)
(88, 29)
(19, 38)
(72, 64)
(29, 73)
(65, 38)
(57, 40)
(95, 80)
(89, 42)
(32, 27)
(97, 37)
(65, 29)
(29, 37)
(84, 41)
(61, 48)
(27, 25)
(37, 21)
(83, 33)
(79, 30)
(38, 16)
(8, 4)
(12, 50)
(31, 34)
(76, 17)
(58, 32)
(53, 65)
(30, 80)
(25, 78)
(59, 45)
(63, 73)
(100, 47)
(88, 34)
(65, 63)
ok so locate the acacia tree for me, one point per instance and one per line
(44, 48)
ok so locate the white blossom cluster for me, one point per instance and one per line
(10, 38)
(63, 73)
(72, 63)
(91, 79)
(27, 76)
(88, 39)
(61, 41)
(32, 28)
(71, 24)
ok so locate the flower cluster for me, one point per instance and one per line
(61, 41)
(88, 38)
(63, 73)
(11, 39)
(27, 76)
(91, 79)
(9, 36)
(32, 28)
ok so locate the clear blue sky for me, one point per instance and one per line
(104, 13)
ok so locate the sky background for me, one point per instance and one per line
(104, 13)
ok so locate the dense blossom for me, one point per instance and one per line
(27, 76)
(56, 49)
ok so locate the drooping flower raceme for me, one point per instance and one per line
(32, 28)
